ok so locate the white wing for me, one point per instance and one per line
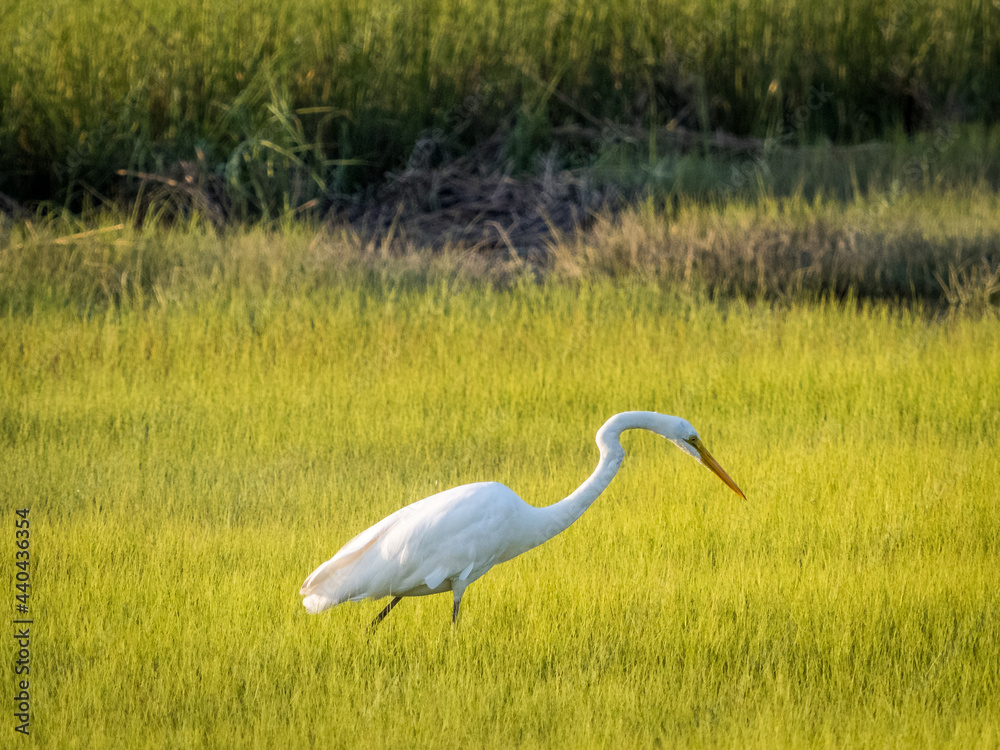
(435, 544)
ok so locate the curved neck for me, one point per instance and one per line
(556, 518)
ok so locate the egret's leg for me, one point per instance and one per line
(457, 589)
(382, 615)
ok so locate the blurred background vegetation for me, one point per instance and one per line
(765, 149)
(266, 105)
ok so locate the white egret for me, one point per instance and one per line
(448, 540)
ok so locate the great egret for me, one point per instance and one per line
(448, 540)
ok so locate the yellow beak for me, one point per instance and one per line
(713, 465)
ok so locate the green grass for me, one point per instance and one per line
(284, 100)
(937, 247)
(188, 460)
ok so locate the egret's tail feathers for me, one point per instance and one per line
(328, 584)
(337, 579)
(328, 592)
(338, 565)
(316, 603)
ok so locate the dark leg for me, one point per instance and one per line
(382, 615)
(454, 612)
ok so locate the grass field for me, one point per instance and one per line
(788, 234)
(189, 455)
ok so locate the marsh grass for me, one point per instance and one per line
(283, 102)
(918, 246)
(935, 249)
(188, 461)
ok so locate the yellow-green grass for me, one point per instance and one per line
(188, 463)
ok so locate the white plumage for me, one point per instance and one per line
(403, 554)
(448, 540)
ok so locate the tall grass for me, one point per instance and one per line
(934, 248)
(287, 100)
(939, 246)
(188, 461)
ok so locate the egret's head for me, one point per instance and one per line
(685, 436)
